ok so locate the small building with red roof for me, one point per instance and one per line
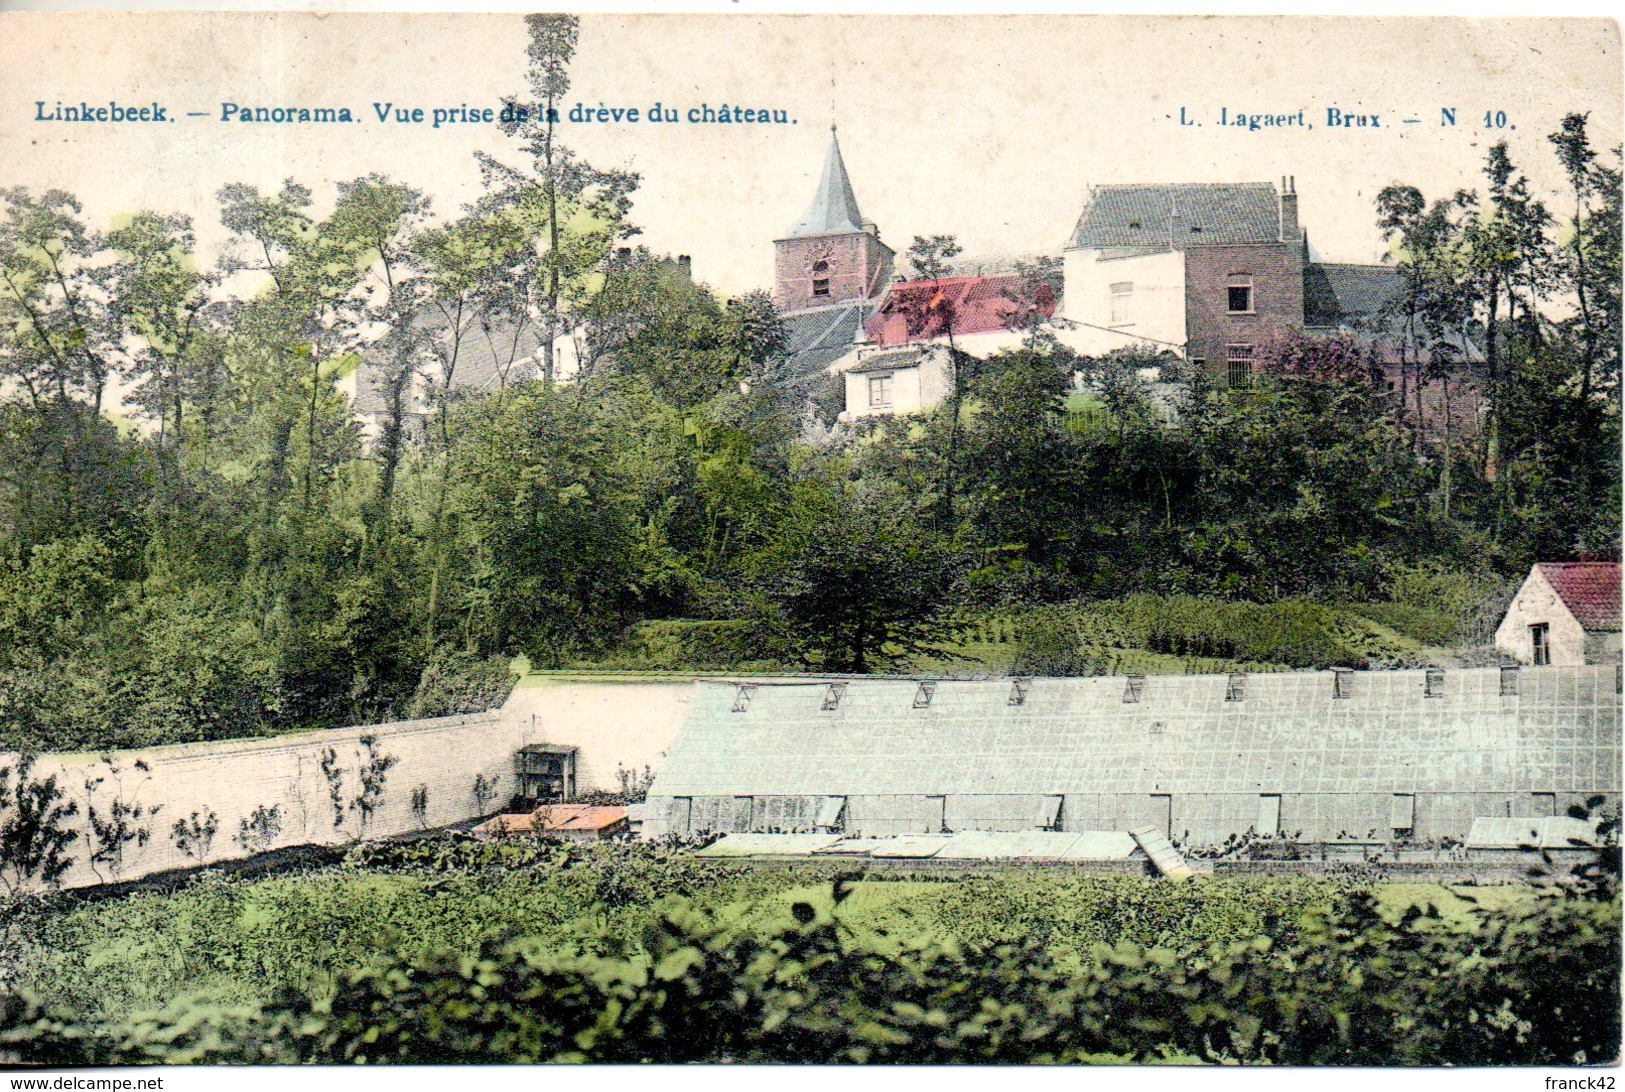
(967, 310)
(1566, 613)
(575, 822)
(908, 364)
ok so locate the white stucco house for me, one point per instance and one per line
(881, 382)
(1566, 613)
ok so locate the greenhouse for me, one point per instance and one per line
(1409, 755)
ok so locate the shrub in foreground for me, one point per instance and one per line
(1535, 986)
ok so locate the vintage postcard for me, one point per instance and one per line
(928, 539)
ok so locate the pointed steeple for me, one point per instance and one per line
(834, 209)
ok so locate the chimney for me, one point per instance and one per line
(685, 266)
(1289, 209)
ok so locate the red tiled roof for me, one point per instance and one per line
(921, 310)
(557, 817)
(1590, 589)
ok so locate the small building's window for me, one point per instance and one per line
(1236, 689)
(742, 697)
(1342, 682)
(1018, 691)
(1434, 686)
(1122, 292)
(1509, 682)
(1239, 366)
(923, 696)
(1135, 688)
(1540, 644)
(880, 391)
(1239, 296)
(832, 696)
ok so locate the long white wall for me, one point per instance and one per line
(616, 725)
(232, 779)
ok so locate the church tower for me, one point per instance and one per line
(832, 254)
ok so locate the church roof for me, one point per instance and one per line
(1173, 216)
(820, 338)
(834, 208)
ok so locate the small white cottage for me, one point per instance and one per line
(1566, 613)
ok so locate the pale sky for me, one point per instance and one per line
(990, 128)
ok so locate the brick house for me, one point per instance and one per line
(1566, 613)
(1212, 270)
(1216, 271)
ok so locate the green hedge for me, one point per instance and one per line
(1348, 986)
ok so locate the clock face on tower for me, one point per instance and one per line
(819, 259)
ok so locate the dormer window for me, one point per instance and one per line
(1240, 294)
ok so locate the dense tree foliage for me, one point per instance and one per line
(198, 538)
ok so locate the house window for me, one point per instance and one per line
(880, 391)
(1018, 691)
(1122, 292)
(1239, 365)
(742, 697)
(1434, 685)
(923, 696)
(1540, 644)
(1239, 295)
(833, 695)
